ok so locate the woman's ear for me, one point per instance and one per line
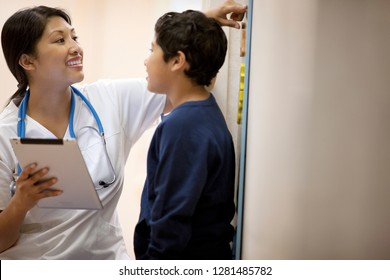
(179, 61)
(26, 62)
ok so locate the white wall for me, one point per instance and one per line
(116, 37)
(318, 157)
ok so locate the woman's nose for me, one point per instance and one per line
(76, 49)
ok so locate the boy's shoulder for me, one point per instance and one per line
(192, 118)
(183, 116)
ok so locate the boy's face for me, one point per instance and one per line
(158, 70)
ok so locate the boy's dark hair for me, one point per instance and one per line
(200, 38)
(20, 35)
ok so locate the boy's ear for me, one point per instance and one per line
(179, 61)
(26, 62)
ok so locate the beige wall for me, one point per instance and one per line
(116, 37)
(318, 158)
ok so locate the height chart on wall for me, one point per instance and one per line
(245, 50)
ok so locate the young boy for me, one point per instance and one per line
(188, 198)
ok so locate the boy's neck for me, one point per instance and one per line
(187, 94)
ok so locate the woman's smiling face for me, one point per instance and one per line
(58, 56)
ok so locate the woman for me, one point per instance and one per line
(42, 52)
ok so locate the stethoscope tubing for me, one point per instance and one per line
(21, 128)
(23, 108)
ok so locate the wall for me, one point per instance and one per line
(226, 88)
(317, 178)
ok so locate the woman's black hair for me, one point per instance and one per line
(20, 35)
(200, 38)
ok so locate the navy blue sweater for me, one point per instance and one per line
(188, 199)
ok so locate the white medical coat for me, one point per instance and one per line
(126, 110)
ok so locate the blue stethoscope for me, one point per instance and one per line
(23, 109)
(22, 129)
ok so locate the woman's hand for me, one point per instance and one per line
(236, 11)
(30, 187)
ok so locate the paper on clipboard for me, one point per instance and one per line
(64, 159)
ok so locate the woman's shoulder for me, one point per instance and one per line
(123, 90)
(9, 115)
(103, 85)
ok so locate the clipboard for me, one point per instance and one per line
(65, 161)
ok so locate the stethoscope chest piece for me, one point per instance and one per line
(12, 188)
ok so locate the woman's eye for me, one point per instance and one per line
(75, 38)
(60, 40)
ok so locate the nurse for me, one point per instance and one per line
(42, 51)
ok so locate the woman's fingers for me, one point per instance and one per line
(32, 181)
(25, 174)
(45, 188)
(37, 176)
